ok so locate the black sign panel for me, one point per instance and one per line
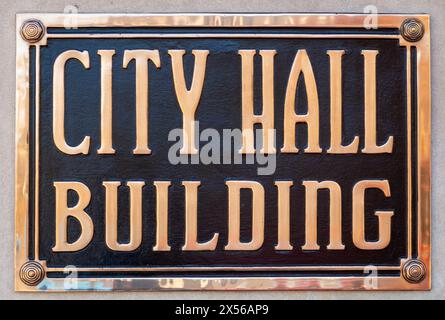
(268, 157)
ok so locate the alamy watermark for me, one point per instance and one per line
(371, 20)
(371, 281)
(71, 19)
(223, 148)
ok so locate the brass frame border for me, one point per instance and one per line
(221, 21)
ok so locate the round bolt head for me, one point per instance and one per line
(32, 30)
(414, 271)
(412, 30)
(32, 273)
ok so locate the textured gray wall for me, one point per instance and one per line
(9, 8)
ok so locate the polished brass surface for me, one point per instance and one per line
(370, 107)
(191, 220)
(162, 216)
(335, 239)
(283, 215)
(266, 118)
(111, 216)
(234, 211)
(336, 106)
(106, 106)
(414, 32)
(301, 65)
(188, 99)
(59, 102)
(142, 58)
(64, 212)
(358, 215)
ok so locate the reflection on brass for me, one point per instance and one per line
(111, 215)
(414, 271)
(421, 138)
(106, 102)
(63, 212)
(59, 102)
(336, 106)
(301, 65)
(412, 30)
(234, 193)
(188, 99)
(32, 30)
(32, 273)
(283, 215)
(266, 119)
(409, 181)
(358, 216)
(161, 216)
(371, 107)
(191, 220)
(141, 57)
(335, 240)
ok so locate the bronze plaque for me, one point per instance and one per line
(222, 152)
